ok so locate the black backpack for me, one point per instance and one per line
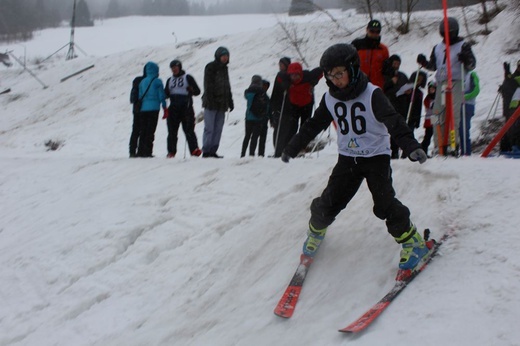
(259, 105)
(134, 94)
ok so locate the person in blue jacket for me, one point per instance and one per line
(151, 92)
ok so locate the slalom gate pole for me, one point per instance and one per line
(449, 123)
(501, 133)
(464, 125)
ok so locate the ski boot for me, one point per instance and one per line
(314, 239)
(414, 249)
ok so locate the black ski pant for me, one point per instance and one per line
(344, 182)
(253, 129)
(174, 120)
(134, 136)
(427, 139)
(263, 138)
(149, 121)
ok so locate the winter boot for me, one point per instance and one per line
(314, 239)
(414, 248)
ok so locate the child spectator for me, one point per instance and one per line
(256, 114)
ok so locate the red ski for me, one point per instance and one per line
(287, 303)
(403, 278)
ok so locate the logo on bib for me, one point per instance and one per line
(353, 143)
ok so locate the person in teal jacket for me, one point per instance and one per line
(472, 89)
(151, 92)
(256, 113)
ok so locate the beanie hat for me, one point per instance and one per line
(176, 63)
(394, 57)
(295, 68)
(220, 52)
(286, 61)
(256, 80)
(374, 24)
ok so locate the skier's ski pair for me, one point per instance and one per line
(287, 303)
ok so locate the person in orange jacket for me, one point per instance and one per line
(372, 53)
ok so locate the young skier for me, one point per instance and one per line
(364, 119)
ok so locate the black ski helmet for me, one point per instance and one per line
(176, 63)
(453, 26)
(341, 54)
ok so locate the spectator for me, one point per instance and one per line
(136, 110)
(428, 106)
(471, 90)
(300, 84)
(180, 88)
(263, 131)
(256, 113)
(279, 103)
(217, 100)
(151, 92)
(372, 53)
(512, 83)
(461, 57)
(394, 81)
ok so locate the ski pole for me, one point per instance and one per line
(494, 105)
(413, 94)
(279, 122)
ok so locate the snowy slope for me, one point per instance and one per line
(97, 249)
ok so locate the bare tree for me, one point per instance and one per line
(405, 9)
(292, 35)
(368, 6)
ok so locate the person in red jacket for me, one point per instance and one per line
(299, 84)
(372, 53)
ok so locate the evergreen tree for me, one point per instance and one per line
(113, 10)
(16, 21)
(83, 14)
(301, 7)
(182, 8)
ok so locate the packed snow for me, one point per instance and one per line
(100, 249)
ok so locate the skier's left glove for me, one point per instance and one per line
(418, 155)
(166, 113)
